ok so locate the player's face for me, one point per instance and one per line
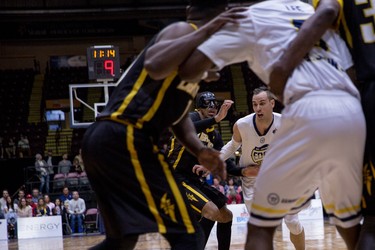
(210, 110)
(263, 106)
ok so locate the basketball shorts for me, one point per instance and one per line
(135, 187)
(199, 193)
(320, 144)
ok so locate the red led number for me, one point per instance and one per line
(108, 65)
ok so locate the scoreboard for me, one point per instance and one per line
(103, 62)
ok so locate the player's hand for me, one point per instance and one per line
(229, 16)
(223, 111)
(199, 169)
(250, 171)
(210, 159)
(278, 78)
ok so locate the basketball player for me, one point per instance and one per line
(208, 203)
(135, 187)
(356, 26)
(253, 134)
(320, 143)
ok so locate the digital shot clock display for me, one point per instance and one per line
(103, 62)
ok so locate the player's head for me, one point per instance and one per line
(207, 104)
(263, 102)
(205, 9)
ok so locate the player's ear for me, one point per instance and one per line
(272, 101)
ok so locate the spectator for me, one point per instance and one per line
(57, 210)
(80, 161)
(48, 203)
(3, 200)
(50, 162)
(33, 205)
(36, 195)
(42, 209)
(64, 165)
(217, 185)
(233, 193)
(42, 168)
(76, 166)
(66, 195)
(24, 210)
(23, 146)
(10, 148)
(77, 208)
(21, 194)
(65, 218)
(11, 216)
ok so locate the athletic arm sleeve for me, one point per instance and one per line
(229, 149)
(232, 44)
(202, 125)
(232, 169)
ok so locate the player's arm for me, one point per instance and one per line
(178, 41)
(209, 158)
(233, 145)
(223, 48)
(201, 125)
(308, 35)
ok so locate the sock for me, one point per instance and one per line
(207, 226)
(224, 233)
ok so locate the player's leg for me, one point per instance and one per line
(224, 220)
(136, 190)
(259, 237)
(297, 233)
(367, 236)
(248, 191)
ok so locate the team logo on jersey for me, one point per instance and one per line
(191, 197)
(168, 207)
(273, 199)
(189, 87)
(206, 140)
(262, 140)
(274, 131)
(258, 153)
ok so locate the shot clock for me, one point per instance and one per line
(103, 62)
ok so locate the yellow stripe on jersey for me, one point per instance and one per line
(269, 210)
(331, 208)
(177, 194)
(194, 192)
(340, 14)
(129, 98)
(142, 180)
(172, 146)
(194, 26)
(178, 157)
(159, 98)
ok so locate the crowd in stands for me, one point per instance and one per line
(68, 205)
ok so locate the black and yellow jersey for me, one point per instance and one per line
(357, 27)
(151, 105)
(183, 162)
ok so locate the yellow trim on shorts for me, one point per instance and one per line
(269, 210)
(177, 194)
(129, 98)
(196, 209)
(142, 180)
(331, 207)
(159, 98)
(194, 191)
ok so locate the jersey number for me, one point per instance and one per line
(367, 29)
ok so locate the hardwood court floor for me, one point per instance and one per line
(319, 236)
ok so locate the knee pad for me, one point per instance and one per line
(293, 224)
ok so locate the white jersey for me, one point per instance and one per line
(254, 145)
(261, 41)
